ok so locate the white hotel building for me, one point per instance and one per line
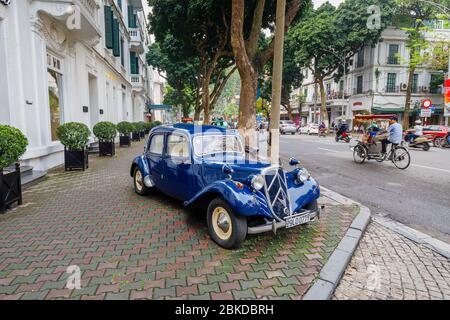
(377, 82)
(72, 60)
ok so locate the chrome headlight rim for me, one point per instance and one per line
(257, 182)
(303, 175)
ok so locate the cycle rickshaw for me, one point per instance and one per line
(370, 146)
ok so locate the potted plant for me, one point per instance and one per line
(74, 136)
(13, 145)
(142, 127)
(148, 127)
(106, 133)
(136, 135)
(125, 128)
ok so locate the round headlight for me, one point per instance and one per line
(257, 182)
(303, 175)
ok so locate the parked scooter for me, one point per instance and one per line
(344, 136)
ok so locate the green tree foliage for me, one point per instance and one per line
(184, 99)
(198, 30)
(329, 36)
(411, 16)
(13, 145)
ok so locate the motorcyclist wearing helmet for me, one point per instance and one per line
(416, 132)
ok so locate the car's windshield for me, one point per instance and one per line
(212, 144)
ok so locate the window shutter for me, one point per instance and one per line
(108, 27)
(116, 38)
(130, 17)
(137, 64)
(133, 62)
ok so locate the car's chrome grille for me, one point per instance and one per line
(276, 191)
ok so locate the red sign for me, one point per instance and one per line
(427, 103)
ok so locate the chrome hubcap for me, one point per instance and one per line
(223, 222)
(138, 179)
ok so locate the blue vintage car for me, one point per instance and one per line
(209, 167)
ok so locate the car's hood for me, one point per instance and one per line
(243, 168)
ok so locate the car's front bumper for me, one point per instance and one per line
(275, 225)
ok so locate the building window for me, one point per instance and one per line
(360, 62)
(328, 88)
(341, 87)
(393, 57)
(359, 85)
(119, 4)
(122, 53)
(415, 82)
(391, 82)
(305, 92)
(437, 80)
(54, 96)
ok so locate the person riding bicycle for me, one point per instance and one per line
(395, 134)
(416, 132)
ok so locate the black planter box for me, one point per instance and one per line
(10, 188)
(142, 133)
(76, 159)
(106, 148)
(125, 141)
(136, 136)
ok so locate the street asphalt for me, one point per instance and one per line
(418, 196)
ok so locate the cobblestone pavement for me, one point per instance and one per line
(387, 265)
(132, 247)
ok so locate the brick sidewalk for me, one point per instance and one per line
(387, 265)
(132, 247)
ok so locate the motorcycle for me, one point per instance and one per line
(323, 132)
(422, 142)
(345, 136)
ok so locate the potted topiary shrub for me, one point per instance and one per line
(148, 127)
(136, 135)
(13, 145)
(125, 128)
(74, 136)
(142, 127)
(106, 133)
(156, 123)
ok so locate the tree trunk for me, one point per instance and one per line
(408, 99)
(323, 100)
(247, 72)
(247, 108)
(205, 102)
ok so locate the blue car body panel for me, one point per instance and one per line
(192, 178)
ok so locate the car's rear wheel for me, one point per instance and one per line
(226, 228)
(139, 186)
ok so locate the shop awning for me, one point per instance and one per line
(159, 107)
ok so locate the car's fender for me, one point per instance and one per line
(243, 201)
(302, 194)
(142, 164)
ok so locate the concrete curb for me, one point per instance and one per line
(421, 238)
(333, 270)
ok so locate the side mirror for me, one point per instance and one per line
(293, 162)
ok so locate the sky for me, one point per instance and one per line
(317, 3)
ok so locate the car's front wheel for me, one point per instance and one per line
(226, 228)
(139, 186)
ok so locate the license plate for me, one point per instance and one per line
(297, 220)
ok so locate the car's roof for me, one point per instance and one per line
(194, 129)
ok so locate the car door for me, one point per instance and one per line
(181, 177)
(154, 154)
